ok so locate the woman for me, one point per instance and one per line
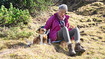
(59, 30)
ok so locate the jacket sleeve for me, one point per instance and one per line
(49, 23)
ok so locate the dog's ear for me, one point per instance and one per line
(38, 30)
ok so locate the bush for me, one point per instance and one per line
(13, 16)
(34, 6)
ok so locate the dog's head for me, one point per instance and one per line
(41, 31)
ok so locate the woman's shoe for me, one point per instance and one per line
(79, 48)
(71, 50)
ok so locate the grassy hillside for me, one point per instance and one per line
(92, 29)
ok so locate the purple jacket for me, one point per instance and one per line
(54, 26)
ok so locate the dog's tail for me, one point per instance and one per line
(28, 42)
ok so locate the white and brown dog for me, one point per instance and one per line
(41, 39)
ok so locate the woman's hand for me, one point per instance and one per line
(72, 27)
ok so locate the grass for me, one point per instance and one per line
(92, 9)
(93, 41)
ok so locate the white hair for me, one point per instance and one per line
(63, 7)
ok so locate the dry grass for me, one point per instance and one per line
(93, 41)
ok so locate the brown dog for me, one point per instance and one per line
(42, 38)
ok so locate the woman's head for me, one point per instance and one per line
(62, 9)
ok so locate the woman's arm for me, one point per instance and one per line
(49, 23)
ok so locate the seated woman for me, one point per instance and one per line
(59, 30)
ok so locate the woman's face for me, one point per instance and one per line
(61, 12)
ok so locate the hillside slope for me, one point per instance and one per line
(92, 29)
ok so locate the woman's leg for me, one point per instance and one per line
(67, 35)
(64, 34)
(75, 32)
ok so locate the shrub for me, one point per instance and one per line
(34, 6)
(13, 16)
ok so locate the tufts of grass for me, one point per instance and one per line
(14, 33)
(92, 9)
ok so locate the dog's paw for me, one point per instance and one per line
(45, 44)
